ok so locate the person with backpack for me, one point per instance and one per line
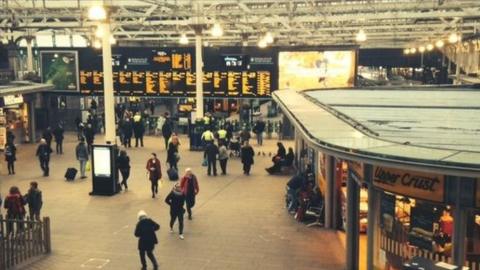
(190, 189)
(82, 154)
(123, 165)
(154, 173)
(43, 154)
(58, 134)
(147, 239)
(176, 200)
(10, 156)
(34, 200)
(15, 205)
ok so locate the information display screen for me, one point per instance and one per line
(101, 158)
(171, 72)
(300, 70)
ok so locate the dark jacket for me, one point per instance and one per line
(58, 134)
(10, 152)
(167, 128)
(44, 151)
(289, 159)
(127, 129)
(176, 200)
(259, 127)
(47, 135)
(296, 182)
(138, 128)
(154, 169)
(34, 199)
(211, 151)
(189, 185)
(145, 231)
(171, 156)
(281, 152)
(245, 135)
(89, 135)
(247, 155)
(123, 162)
(81, 151)
(14, 203)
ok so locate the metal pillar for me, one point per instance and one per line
(110, 136)
(460, 227)
(199, 59)
(330, 179)
(457, 66)
(352, 237)
(29, 55)
(372, 221)
(31, 121)
(421, 60)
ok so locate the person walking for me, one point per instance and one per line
(245, 136)
(154, 173)
(176, 200)
(127, 128)
(211, 152)
(43, 154)
(15, 205)
(190, 189)
(123, 165)
(147, 238)
(247, 155)
(167, 129)
(34, 200)
(47, 135)
(58, 134)
(89, 136)
(138, 129)
(172, 154)
(223, 158)
(82, 153)
(258, 130)
(10, 156)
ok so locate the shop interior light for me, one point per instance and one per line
(262, 43)
(421, 49)
(112, 40)
(99, 32)
(439, 44)
(97, 44)
(269, 37)
(205, 43)
(413, 50)
(429, 47)
(453, 38)
(217, 30)
(406, 51)
(97, 13)
(361, 36)
(183, 39)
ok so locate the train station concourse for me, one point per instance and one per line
(240, 134)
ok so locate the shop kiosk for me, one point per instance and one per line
(104, 172)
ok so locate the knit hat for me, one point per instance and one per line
(141, 214)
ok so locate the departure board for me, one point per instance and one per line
(171, 72)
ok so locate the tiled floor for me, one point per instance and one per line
(239, 222)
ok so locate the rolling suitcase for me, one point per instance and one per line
(70, 174)
(172, 174)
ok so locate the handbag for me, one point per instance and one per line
(204, 162)
(88, 166)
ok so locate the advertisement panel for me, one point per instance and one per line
(300, 70)
(60, 68)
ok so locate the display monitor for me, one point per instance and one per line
(101, 158)
(300, 70)
(60, 68)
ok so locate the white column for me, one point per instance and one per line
(109, 100)
(29, 55)
(199, 73)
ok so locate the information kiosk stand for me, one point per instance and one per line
(104, 172)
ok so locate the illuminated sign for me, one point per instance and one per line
(12, 100)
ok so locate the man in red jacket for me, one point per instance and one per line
(154, 173)
(189, 186)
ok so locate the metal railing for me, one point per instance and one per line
(22, 240)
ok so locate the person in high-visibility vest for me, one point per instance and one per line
(222, 136)
(207, 137)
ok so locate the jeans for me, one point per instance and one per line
(44, 165)
(11, 166)
(83, 164)
(125, 174)
(150, 256)
(246, 168)
(154, 187)
(34, 214)
(141, 141)
(292, 194)
(59, 147)
(190, 202)
(223, 165)
(260, 138)
(173, 218)
(212, 163)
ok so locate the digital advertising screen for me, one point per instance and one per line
(60, 68)
(300, 70)
(101, 159)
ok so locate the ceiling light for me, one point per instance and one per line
(99, 32)
(183, 39)
(429, 47)
(97, 44)
(421, 49)
(205, 43)
(361, 36)
(216, 30)
(413, 50)
(97, 13)
(112, 40)
(262, 43)
(406, 51)
(439, 44)
(453, 38)
(269, 37)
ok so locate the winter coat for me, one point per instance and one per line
(58, 134)
(247, 155)
(10, 152)
(138, 128)
(44, 151)
(245, 135)
(123, 162)
(176, 200)
(188, 183)
(34, 199)
(145, 231)
(281, 152)
(222, 152)
(154, 169)
(81, 152)
(47, 135)
(172, 153)
(127, 129)
(259, 127)
(14, 203)
(211, 151)
(167, 129)
(89, 135)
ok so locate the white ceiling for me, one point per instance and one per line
(387, 23)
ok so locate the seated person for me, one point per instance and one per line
(277, 159)
(294, 185)
(289, 158)
(441, 242)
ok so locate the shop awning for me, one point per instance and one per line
(23, 87)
